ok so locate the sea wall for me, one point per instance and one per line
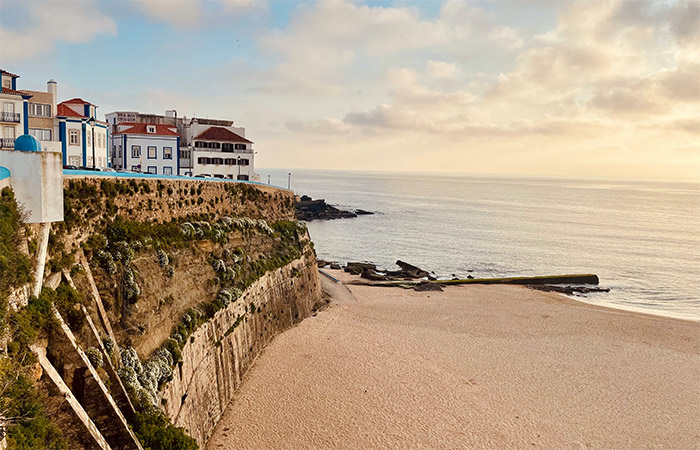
(221, 351)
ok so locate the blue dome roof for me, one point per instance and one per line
(27, 143)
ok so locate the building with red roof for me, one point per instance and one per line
(84, 139)
(146, 147)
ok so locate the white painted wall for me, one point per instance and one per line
(37, 180)
(144, 162)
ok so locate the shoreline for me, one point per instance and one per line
(477, 366)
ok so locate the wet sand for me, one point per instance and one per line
(471, 367)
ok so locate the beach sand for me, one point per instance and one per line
(471, 367)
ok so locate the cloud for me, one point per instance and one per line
(47, 23)
(442, 70)
(191, 14)
(178, 13)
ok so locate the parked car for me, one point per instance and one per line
(108, 169)
(69, 167)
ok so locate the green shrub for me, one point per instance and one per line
(155, 432)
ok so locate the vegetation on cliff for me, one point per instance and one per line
(133, 234)
(22, 412)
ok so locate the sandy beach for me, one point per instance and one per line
(471, 367)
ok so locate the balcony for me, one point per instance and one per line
(9, 117)
(7, 142)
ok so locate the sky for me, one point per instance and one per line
(591, 88)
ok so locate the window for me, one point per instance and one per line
(39, 110)
(8, 107)
(135, 151)
(217, 161)
(167, 170)
(227, 148)
(150, 129)
(152, 152)
(203, 160)
(240, 146)
(114, 151)
(152, 169)
(41, 134)
(10, 132)
(201, 144)
(7, 83)
(230, 161)
(243, 177)
(243, 161)
(167, 153)
(88, 139)
(73, 137)
(184, 154)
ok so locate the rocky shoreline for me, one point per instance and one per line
(414, 277)
(308, 209)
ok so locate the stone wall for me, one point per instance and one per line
(222, 350)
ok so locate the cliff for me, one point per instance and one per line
(158, 296)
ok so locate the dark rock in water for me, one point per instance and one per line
(308, 209)
(372, 275)
(568, 289)
(469, 277)
(335, 266)
(415, 272)
(427, 286)
(356, 268)
(321, 263)
(432, 278)
(362, 212)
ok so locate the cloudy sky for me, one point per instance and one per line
(531, 87)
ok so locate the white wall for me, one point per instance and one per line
(37, 180)
(145, 141)
(228, 171)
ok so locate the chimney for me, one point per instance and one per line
(52, 87)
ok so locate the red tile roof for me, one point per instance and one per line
(221, 134)
(78, 100)
(14, 92)
(63, 110)
(140, 128)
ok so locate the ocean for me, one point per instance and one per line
(641, 238)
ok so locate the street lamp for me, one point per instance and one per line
(92, 125)
(289, 181)
(268, 179)
(239, 167)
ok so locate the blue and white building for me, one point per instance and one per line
(14, 107)
(84, 139)
(146, 147)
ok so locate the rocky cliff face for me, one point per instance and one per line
(165, 292)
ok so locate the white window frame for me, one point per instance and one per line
(73, 137)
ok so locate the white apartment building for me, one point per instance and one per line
(14, 112)
(206, 147)
(146, 147)
(221, 153)
(84, 139)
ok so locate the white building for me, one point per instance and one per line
(84, 139)
(14, 112)
(146, 147)
(207, 146)
(222, 153)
